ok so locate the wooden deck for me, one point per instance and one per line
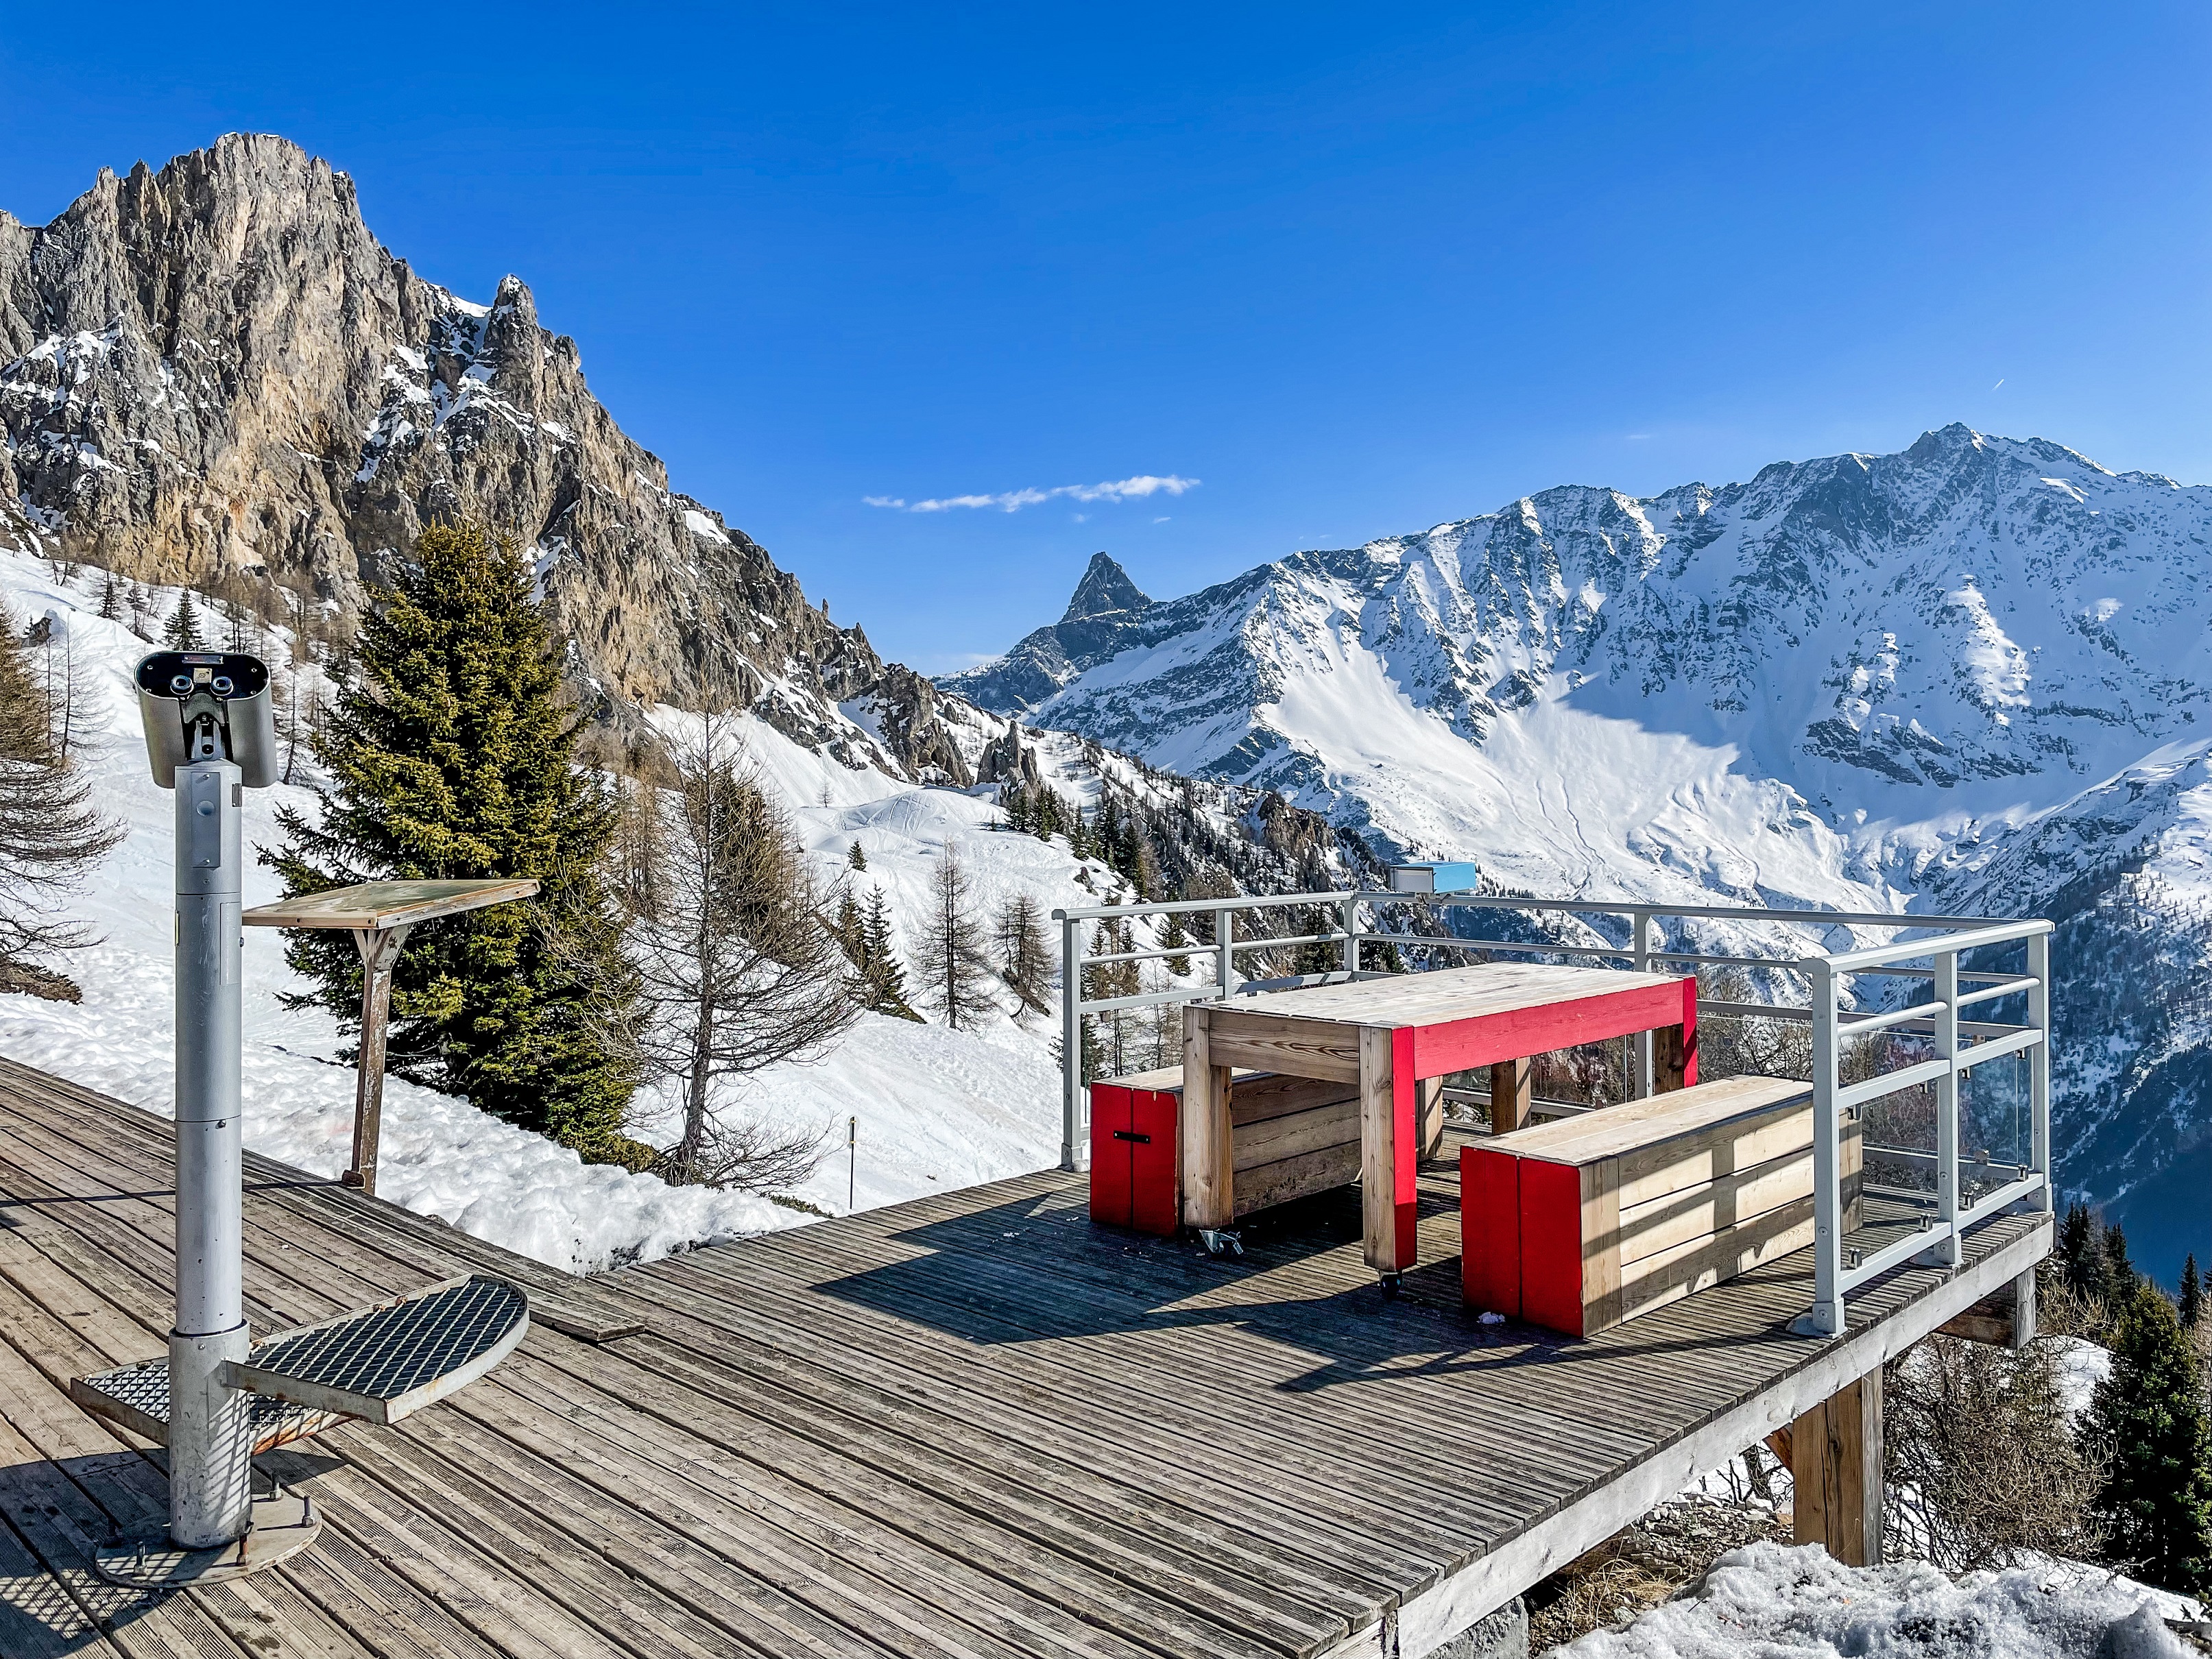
(969, 1426)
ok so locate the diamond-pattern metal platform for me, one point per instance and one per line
(378, 1364)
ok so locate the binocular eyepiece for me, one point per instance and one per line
(208, 705)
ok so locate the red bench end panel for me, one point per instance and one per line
(1551, 1245)
(1109, 1155)
(1490, 1230)
(1153, 1206)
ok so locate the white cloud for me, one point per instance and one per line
(1013, 501)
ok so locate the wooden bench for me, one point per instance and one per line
(1290, 1137)
(1577, 1226)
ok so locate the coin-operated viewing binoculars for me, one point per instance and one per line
(218, 1397)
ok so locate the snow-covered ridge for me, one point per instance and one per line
(1972, 677)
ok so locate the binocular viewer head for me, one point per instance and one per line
(208, 705)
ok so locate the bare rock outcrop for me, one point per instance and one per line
(214, 372)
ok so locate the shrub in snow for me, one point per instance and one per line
(1779, 1602)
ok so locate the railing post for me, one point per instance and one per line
(1948, 1251)
(2038, 1067)
(1640, 1086)
(1827, 1317)
(1352, 934)
(1071, 1041)
(1225, 966)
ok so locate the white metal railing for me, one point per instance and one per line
(1957, 1045)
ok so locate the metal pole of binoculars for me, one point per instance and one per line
(211, 1430)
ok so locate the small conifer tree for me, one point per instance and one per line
(2190, 1307)
(450, 757)
(953, 963)
(51, 831)
(2148, 1423)
(111, 598)
(182, 631)
(1024, 952)
(854, 858)
(2120, 1275)
(883, 975)
(1173, 937)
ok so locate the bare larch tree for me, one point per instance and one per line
(953, 966)
(737, 969)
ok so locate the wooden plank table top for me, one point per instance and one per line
(376, 906)
(1390, 1035)
(973, 1425)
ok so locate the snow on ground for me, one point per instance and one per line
(936, 1109)
(2080, 1365)
(1779, 1602)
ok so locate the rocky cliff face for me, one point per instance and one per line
(214, 374)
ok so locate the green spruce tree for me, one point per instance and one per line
(2191, 1307)
(182, 631)
(883, 975)
(2148, 1424)
(450, 757)
(854, 858)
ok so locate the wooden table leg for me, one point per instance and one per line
(379, 953)
(1205, 1141)
(1389, 1141)
(1512, 1092)
(1432, 1115)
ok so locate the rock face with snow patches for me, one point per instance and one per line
(213, 371)
(1973, 676)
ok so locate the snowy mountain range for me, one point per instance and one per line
(1972, 677)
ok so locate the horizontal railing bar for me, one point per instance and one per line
(1788, 964)
(1859, 1024)
(1193, 907)
(1753, 1010)
(1703, 912)
(1184, 993)
(2023, 1037)
(1337, 937)
(2011, 933)
(1890, 1083)
(2010, 1194)
(1145, 955)
(1889, 1255)
(2010, 987)
(1622, 952)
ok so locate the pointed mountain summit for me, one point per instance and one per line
(1105, 615)
(1104, 590)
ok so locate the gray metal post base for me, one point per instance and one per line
(283, 1524)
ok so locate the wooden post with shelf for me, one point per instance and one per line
(381, 915)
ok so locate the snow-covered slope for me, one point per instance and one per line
(1971, 676)
(1782, 1603)
(936, 1109)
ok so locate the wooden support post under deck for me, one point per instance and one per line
(1836, 1464)
(1512, 1092)
(2006, 1320)
(380, 952)
(1209, 1198)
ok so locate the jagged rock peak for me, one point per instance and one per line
(212, 373)
(1105, 591)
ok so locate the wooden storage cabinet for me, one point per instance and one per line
(1133, 1125)
(1290, 1137)
(1577, 1226)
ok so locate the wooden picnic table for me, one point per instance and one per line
(1390, 1036)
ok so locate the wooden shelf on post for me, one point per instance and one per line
(379, 914)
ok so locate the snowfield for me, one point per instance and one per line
(936, 1109)
(1777, 1602)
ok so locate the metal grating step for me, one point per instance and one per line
(378, 1364)
(137, 1397)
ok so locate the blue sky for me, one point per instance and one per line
(1353, 271)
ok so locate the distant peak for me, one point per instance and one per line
(1104, 589)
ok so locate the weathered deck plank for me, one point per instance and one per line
(973, 1426)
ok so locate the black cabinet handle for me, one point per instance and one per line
(1130, 1134)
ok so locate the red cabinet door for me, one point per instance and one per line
(1153, 1120)
(1110, 1164)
